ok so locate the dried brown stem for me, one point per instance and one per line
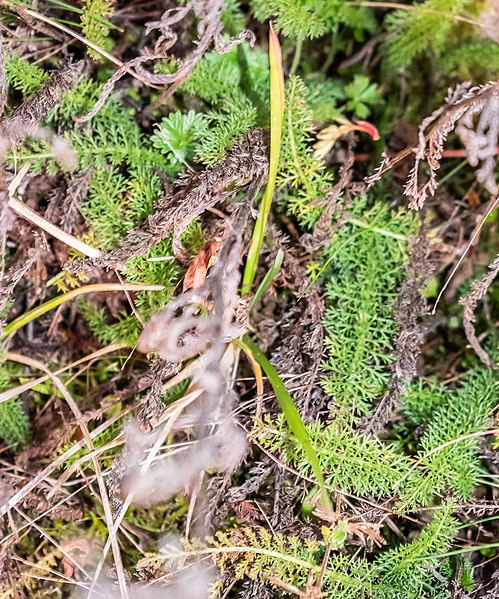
(411, 306)
(246, 162)
(209, 29)
(26, 118)
(470, 301)
(461, 103)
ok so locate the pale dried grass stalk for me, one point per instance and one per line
(15, 391)
(95, 462)
(21, 209)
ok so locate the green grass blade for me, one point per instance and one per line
(276, 118)
(292, 416)
(35, 313)
(267, 279)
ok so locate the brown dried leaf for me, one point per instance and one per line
(198, 270)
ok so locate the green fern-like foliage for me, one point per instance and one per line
(160, 519)
(125, 329)
(95, 24)
(448, 465)
(350, 462)
(226, 126)
(422, 400)
(124, 166)
(177, 135)
(255, 553)
(301, 176)
(14, 423)
(301, 19)
(213, 76)
(220, 77)
(407, 570)
(234, 87)
(467, 59)
(447, 458)
(157, 267)
(23, 76)
(429, 26)
(365, 267)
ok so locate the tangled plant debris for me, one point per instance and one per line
(249, 299)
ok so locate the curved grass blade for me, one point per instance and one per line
(60, 299)
(292, 416)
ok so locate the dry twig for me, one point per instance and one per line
(470, 301)
(461, 103)
(246, 162)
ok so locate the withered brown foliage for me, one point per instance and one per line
(151, 407)
(3, 77)
(209, 30)
(246, 162)
(299, 352)
(16, 273)
(64, 202)
(411, 306)
(460, 106)
(469, 302)
(184, 332)
(324, 228)
(26, 118)
(37, 25)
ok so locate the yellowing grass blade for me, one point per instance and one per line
(65, 297)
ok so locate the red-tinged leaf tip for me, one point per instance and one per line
(368, 128)
(274, 41)
(275, 55)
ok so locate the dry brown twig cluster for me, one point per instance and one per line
(209, 30)
(246, 162)
(461, 105)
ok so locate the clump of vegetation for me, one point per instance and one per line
(141, 423)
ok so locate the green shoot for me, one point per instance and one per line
(276, 118)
